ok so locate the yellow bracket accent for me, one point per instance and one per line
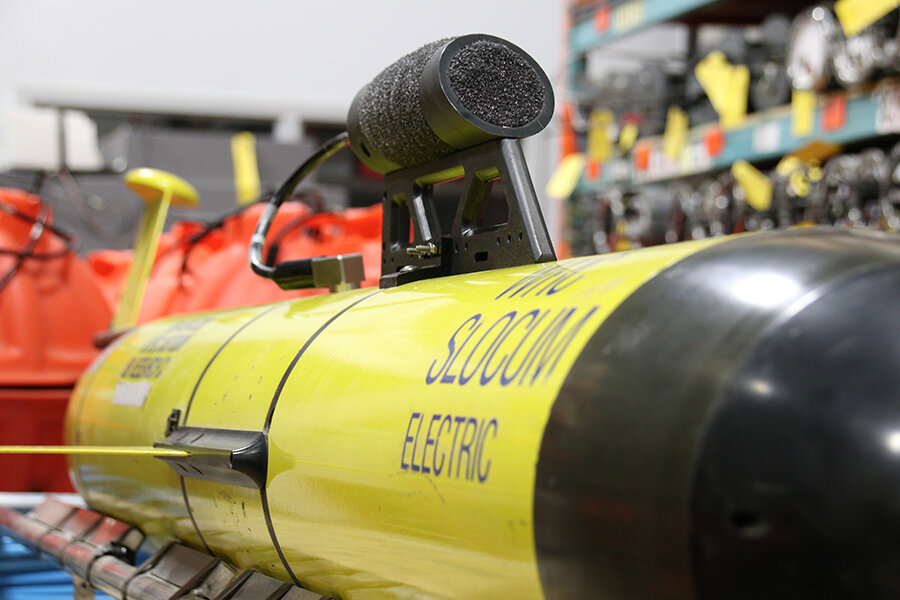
(158, 190)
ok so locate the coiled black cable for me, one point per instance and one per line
(323, 153)
(37, 230)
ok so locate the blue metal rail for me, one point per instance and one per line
(25, 576)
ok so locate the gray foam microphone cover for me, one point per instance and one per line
(448, 95)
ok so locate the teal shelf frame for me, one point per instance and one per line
(764, 136)
(626, 18)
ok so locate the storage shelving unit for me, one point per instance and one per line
(842, 117)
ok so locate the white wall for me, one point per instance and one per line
(301, 60)
(246, 56)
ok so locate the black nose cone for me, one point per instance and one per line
(797, 483)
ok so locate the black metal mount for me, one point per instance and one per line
(235, 457)
(413, 245)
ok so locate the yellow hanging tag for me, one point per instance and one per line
(815, 173)
(598, 142)
(856, 15)
(726, 86)
(734, 101)
(803, 112)
(675, 136)
(757, 187)
(565, 178)
(628, 137)
(711, 72)
(246, 168)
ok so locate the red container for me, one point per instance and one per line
(30, 417)
(51, 309)
(212, 273)
(49, 312)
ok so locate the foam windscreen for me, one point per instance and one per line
(446, 96)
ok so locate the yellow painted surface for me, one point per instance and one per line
(142, 490)
(235, 393)
(403, 446)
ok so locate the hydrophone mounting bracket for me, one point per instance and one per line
(409, 213)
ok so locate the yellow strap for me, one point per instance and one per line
(246, 167)
(856, 15)
(102, 450)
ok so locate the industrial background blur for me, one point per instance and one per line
(674, 120)
(659, 105)
(165, 86)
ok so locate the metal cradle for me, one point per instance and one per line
(99, 552)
